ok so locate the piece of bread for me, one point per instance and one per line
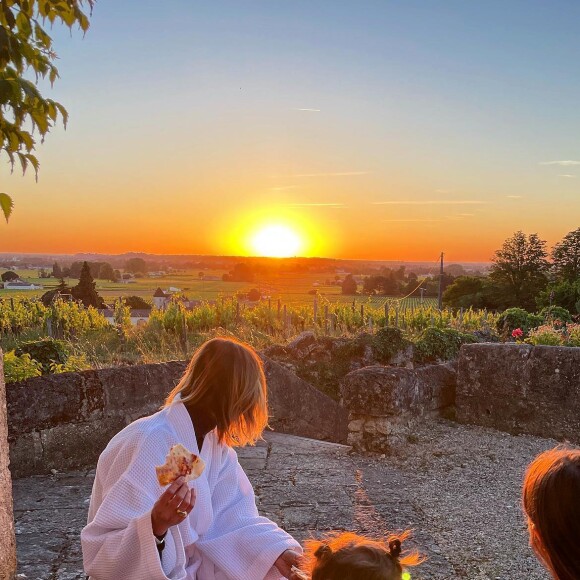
(298, 573)
(179, 461)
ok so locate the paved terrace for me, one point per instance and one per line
(456, 486)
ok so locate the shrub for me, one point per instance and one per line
(513, 318)
(137, 303)
(254, 295)
(74, 363)
(20, 368)
(573, 334)
(47, 352)
(387, 342)
(552, 313)
(546, 335)
(440, 344)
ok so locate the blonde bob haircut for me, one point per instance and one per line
(226, 378)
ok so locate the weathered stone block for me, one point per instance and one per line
(140, 386)
(44, 402)
(73, 446)
(379, 390)
(298, 408)
(385, 402)
(521, 389)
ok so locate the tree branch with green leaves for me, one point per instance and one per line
(26, 50)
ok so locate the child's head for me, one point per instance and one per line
(348, 556)
(551, 499)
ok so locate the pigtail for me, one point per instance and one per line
(323, 552)
(395, 548)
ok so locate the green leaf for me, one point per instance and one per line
(9, 16)
(14, 142)
(6, 205)
(23, 24)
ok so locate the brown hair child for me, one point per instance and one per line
(348, 556)
(551, 498)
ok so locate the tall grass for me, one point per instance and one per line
(173, 333)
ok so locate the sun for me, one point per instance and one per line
(276, 241)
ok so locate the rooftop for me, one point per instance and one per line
(457, 486)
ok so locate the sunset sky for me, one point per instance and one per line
(371, 129)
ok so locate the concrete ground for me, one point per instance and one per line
(456, 486)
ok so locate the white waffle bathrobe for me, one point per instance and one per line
(223, 538)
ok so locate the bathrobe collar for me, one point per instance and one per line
(179, 418)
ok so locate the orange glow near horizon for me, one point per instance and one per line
(276, 232)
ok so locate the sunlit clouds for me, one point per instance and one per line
(431, 202)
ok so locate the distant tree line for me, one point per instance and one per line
(524, 275)
(240, 273)
(99, 271)
(397, 282)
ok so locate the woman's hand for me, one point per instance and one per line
(178, 496)
(285, 562)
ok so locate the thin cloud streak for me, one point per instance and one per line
(515, 196)
(316, 205)
(431, 202)
(309, 110)
(565, 163)
(568, 175)
(411, 220)
(337, 174)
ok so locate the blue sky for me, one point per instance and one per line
(432, 123)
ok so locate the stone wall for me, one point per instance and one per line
(384, 403)
(323, 361)
(64, 421)
(7, 541)
(521, 388)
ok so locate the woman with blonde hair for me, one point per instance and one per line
(207, 529)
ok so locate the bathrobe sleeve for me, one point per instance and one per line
(240, 542)
(118, 541)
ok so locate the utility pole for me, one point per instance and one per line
(440, 301)
(422, 293)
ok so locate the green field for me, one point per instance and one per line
(290, 288)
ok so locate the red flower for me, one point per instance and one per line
(517, 333)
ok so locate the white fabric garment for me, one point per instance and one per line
(223, 538)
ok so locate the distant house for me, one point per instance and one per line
(138, 316)
(160, 299)
(158, 274)
(21, 285)
(52, 296)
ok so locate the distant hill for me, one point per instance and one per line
(189, 261)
